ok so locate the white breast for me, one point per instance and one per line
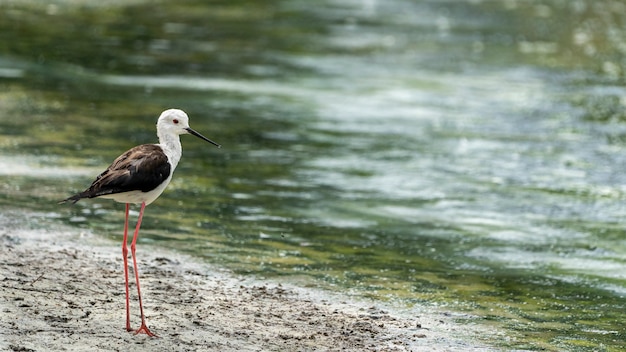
(138, 197)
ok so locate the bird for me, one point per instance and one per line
(139, 176)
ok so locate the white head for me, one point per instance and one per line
(174, 122)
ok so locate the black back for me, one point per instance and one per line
(142, 168)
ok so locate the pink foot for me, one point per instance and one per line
(144, 330)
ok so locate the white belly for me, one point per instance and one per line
(138, 197)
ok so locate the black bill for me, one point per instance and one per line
(191, 131)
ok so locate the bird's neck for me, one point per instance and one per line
(171, 147)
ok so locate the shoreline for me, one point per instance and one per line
(64, 291)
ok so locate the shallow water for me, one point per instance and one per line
(462, 154)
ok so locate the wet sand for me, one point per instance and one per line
(64, 291)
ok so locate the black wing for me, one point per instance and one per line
(142, 168)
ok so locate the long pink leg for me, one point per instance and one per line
(144, 328)
(125, 254)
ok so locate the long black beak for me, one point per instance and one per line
(191, 131)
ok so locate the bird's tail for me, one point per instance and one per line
(75, 198)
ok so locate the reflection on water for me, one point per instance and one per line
(456, 154)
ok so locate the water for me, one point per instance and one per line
(461, 154)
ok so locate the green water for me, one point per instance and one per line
(458, 154)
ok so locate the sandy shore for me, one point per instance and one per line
(64, 291)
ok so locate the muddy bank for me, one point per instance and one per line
(64, 291)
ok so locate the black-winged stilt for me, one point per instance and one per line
(139, 176)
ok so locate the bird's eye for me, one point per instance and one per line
(175, 121)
